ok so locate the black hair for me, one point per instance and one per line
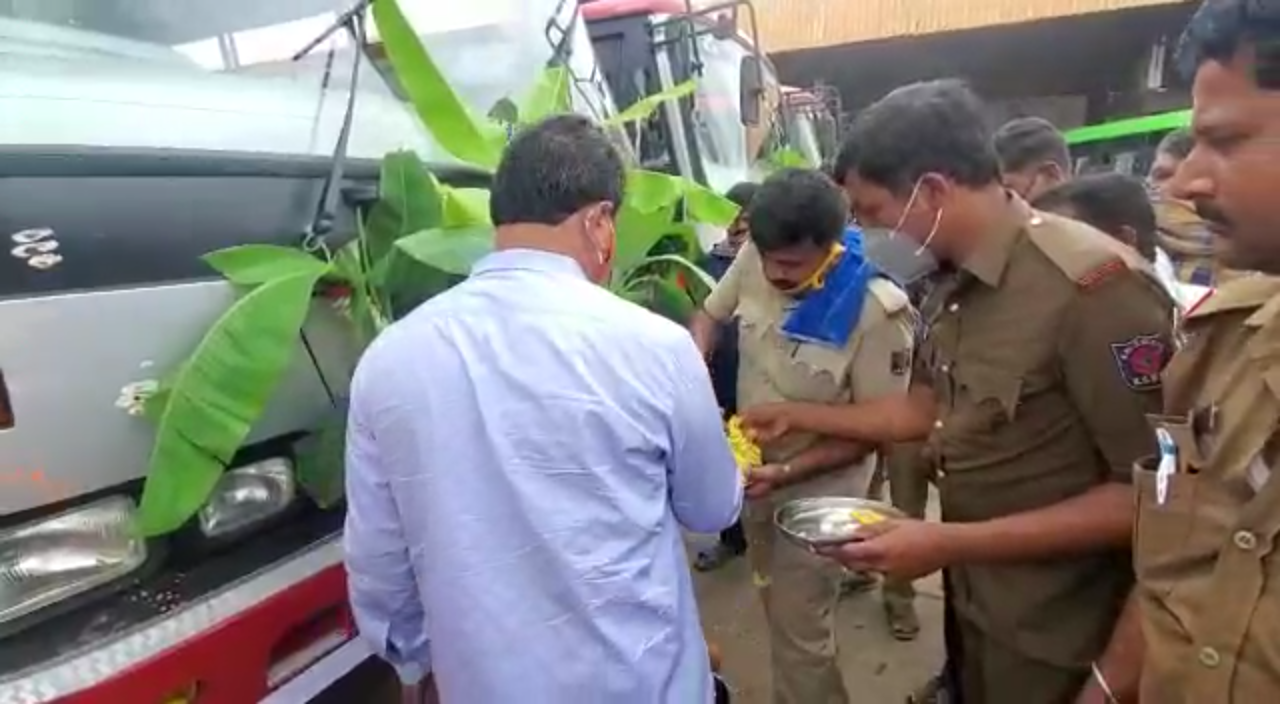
(553, 169)
(930, 127)
(742, 193)
(1220, 28)
(1031, 141)
(794, 207)
(1108, 201)
(1177, 143)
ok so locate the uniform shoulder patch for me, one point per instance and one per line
(1101, 273)
(1083, 254)
(892, 298)
(1140, 360)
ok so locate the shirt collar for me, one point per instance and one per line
(527, 260)
(990, 260)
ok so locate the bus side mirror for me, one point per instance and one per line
(750, 87)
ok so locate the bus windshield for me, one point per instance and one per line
(717, 115)
(218, 75)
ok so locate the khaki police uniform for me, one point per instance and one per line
(799, 590)
(1209, 576)
(1044, 352)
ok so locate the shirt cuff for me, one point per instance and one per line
(411, 674)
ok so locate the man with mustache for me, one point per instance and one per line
(1209, 504)
(1044, 343)
(816, 322)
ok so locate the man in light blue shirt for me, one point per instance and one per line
(522, 453)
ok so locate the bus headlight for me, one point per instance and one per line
(56, 557)
(248, 495)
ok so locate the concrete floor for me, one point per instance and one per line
(877, 668)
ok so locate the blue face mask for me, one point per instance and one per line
(896, 254)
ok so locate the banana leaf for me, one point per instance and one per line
(451, 251)
(638, 233)
(465, 207)
(218, 394)
(321, 463)
(253, 264)
(706, 206)
(409, 200)
(674, 263)
(438, 106)
(662, 296)
(549, 96)
(643, 108)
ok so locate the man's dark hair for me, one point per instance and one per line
(931, 127)
(1031, 141)
(796, 207)
(1177, 143)
(553, 169)
(1220, 28)
(1108, 201)
(742, 193)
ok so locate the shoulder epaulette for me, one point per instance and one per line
(1084, 255)
(1237, 294)
(891, 297)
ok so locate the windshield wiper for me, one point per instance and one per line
(316, 237)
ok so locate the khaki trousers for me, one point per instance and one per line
(993, 673)
(800, 592)
(909, 472)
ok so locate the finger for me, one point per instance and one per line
(868, 531)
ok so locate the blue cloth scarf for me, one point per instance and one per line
(828, 316)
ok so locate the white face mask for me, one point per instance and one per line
(896, 254)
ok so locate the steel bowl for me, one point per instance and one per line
(829, 520)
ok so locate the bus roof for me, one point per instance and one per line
(608, 9)
(1128, 127)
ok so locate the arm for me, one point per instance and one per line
(885, 420)
(826, 455)
(1121, 663)
(1112, 334)
(380, 578)
(719, 305)
(706, 487)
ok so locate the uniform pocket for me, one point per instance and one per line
(1162, 530)
(987, 395)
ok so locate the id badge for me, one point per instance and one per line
(1168, 465)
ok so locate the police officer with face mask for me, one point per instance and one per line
(1042, 353)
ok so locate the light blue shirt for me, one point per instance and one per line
(522, 452)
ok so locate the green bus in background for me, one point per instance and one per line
(1127, 146)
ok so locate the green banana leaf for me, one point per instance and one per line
(217, 395)
(706, 206)
(790, 158)
(253, 264)
(638, 233)
(451, 251)
(440, 108)
(465, 207)
(321, 464)
(672, 263)
(409, 200)
(643, 108)
(649, 191)
(549, 96)
(662, 296)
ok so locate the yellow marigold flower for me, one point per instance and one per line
(745, 451)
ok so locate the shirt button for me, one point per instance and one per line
(945, 369)
(1245, 540)
(953, 307)
(937, 424)
(1209, 657)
